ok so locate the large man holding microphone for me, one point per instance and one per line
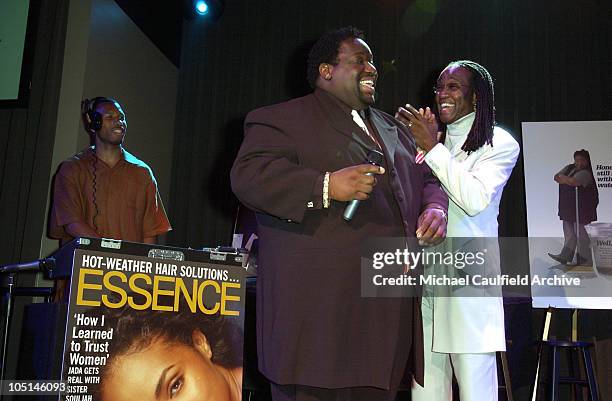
(301, 162)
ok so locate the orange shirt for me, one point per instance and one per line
(128, 204)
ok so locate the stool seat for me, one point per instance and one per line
(567, 343)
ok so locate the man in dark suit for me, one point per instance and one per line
(299, 164)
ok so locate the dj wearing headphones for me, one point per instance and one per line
(105, 191)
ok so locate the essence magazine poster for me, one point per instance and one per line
(142, 328)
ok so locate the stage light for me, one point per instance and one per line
(201, 7)
(207, 9)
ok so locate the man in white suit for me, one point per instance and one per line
(473, 160)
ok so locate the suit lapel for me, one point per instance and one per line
(386, 132)
(341, 119)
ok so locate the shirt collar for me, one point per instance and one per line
(343, 106)
(461, 126)
(126, 157)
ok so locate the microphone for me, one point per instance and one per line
(37, 265)
(375, 158)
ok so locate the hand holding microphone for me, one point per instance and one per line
(355, 183)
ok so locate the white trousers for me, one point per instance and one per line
(476, 374)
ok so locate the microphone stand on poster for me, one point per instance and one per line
(577, 228)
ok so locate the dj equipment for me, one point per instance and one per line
(64, 256)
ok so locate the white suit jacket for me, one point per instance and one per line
(474, 184)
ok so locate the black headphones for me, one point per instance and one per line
(93, 120)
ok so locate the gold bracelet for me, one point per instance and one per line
(326, 190)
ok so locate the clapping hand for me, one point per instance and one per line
(422, 124)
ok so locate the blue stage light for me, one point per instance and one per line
(201, 7)
(210, 10)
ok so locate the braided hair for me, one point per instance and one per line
(481, 132)
(325, 50)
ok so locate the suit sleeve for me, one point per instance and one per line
(473, 189)
(432, 193)
(267, 176)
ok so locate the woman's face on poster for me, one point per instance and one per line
(580, 162)
(166, 370)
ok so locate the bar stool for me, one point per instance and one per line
(557, 379)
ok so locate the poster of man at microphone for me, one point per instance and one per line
(568, 187)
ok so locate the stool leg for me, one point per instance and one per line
(555, 375)
(536, 379)
(588, 364)
(576, 395)
(506, 372)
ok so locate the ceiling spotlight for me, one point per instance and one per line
(201, 7)
(209, 9)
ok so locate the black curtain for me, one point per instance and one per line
(550, 61)
(26, 149)
(26, 139)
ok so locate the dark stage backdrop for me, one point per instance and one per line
(26, 148)
(551, 60)
(26, 140)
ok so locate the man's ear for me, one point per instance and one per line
(325, 71)
(200, 342)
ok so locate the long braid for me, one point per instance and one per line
(481, 132)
